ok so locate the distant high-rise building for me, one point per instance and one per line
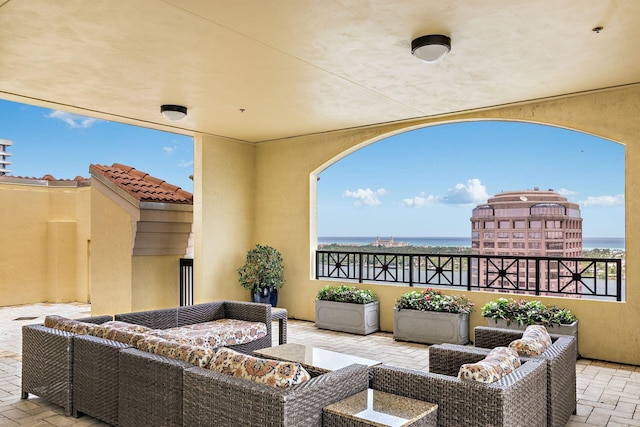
(4, 144)
(525, 223)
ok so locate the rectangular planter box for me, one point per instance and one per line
(430, 327)
(571, 329)
(360, 319)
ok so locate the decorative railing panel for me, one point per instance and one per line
(600, 278)
(186, 281)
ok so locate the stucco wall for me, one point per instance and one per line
(111, 258)
(43, 255)
(285, 185)
(155, 282)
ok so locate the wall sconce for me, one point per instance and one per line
(430, 48)
(173, 112)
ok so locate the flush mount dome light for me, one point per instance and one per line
(431, 48)
(173, 112)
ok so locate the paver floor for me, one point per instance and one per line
(608, 393)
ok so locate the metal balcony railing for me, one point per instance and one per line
(590, 278)
(186, 281)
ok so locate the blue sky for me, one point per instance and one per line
(53, 142)
(422, 183)
(425, 183)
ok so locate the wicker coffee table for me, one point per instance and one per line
(376, 408)
(313, 357)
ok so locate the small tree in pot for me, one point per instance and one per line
(263, 274)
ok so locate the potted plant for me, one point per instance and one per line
(431, 317)
(263, 274)
(347, 309)
(520, 313)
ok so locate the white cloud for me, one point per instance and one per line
(184, 163)
(565, 192)
(615, 200)
(74, 121)
(365, 197)
(169, 150)
(420, 201)
(473, 193)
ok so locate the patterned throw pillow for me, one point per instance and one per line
(270, 372)
(499, 362)
(195, 355)
(535, 341)
(68, 325)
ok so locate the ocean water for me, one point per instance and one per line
(587, 242)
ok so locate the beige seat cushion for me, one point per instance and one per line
(215, 334)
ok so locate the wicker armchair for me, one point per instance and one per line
(206, 312)
(518, 399)
(215, 399)
(47, 363)
(560, 361)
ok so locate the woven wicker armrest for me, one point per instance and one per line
(47, 365)
(95, 377)
(199, 313)
(150, 389)
(212, 398)
(252, 312)
(517, 399)
(561, 376)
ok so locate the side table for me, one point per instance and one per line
(376, 408)
(282, 316)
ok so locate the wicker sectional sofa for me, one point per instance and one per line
(84, 373)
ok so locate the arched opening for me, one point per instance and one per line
(422, 188)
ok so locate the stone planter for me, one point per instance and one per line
(360, 319)
(430, 327)
(571, 329)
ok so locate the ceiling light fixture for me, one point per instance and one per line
(173, 112)
(430, 48)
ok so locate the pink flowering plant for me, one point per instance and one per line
(434, 300)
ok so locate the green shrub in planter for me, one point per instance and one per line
(349, 294)
(434, 300)
(523, 312)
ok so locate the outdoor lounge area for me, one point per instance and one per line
(607, 393)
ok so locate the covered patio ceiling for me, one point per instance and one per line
(263, 70)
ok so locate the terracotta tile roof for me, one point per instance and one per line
(143, 186)
(49, 177)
